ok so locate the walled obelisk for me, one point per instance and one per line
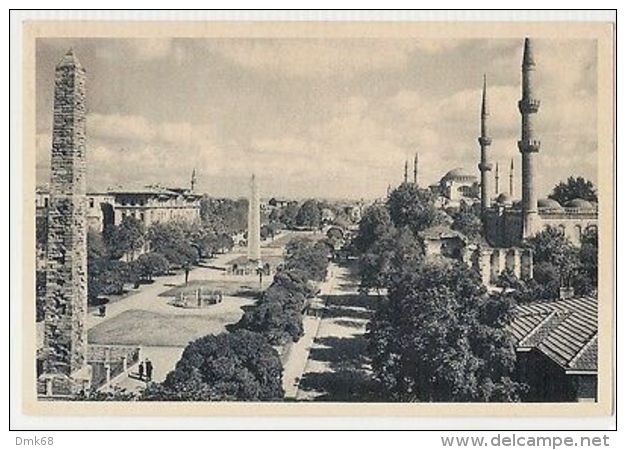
(254, 226)
(65, 371)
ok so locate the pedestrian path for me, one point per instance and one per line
(299, 352)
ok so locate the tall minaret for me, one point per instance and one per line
(254, 225)
(497, 178)
(415, 160)
(511, 172)
(528, 145)
(193, 180)
(406, 171)
(65, 371)
(485, 141)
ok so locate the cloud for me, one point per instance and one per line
(321, 117)
(317, 57)
(147, 49)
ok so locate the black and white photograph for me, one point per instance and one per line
(399, 218)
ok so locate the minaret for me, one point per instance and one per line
(65, 371)
(511, 172)
(406, 171)
(193, 180)
(528, 145)
(415, 170)
(485, 141)
(497, 179)
(254, 225)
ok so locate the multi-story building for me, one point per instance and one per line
(149, 204)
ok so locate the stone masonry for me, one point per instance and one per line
(65, 341)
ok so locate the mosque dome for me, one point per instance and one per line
(579, 203)
(458, 174)
(548, 203)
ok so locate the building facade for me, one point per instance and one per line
(149, 205)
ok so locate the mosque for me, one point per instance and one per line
(509, 221)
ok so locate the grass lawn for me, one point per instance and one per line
(137, 327)
(247, 287)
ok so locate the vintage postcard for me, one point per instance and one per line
(318, 218)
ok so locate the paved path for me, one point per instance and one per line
(296, 361)
(337, 367)
(147, 298)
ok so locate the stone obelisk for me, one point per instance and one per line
(65, 371)
(254, 226)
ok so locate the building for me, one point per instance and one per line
(441, 240)
(557, 349)
(148, 204)
(154, 203)
(455, 186)
(508, 221)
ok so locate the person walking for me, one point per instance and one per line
(141, 370)
(148, 370)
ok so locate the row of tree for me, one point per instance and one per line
(118, 256)
(437, 334)
(278, 312)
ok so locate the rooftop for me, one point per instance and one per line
(565, 331)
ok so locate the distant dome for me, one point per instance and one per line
(549, 204)
(459, 174)
(504, 199)
(579, 203)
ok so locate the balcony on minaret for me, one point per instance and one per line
(484, 140)
(528, 145)
(528, 105)
(485, 167)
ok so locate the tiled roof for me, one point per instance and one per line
(440, 232)
(565, 331)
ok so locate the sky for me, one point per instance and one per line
(324, 118)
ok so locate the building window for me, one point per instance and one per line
(142, 216)
(46, 201)
(91, 203)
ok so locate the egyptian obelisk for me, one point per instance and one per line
(254, 226)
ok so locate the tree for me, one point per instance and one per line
(170, 240)
(106, 277)
(586, 279)
(288, 214)
(278, 313)
(574, 187)
(374, 224)
(150, 264)
(229, 366)
(126, 238)
(440, 337)
(224, 215)
(387, 256)
(553, 252)
(308, 257)
(413, 207)
(466, 221)
(309, 215)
